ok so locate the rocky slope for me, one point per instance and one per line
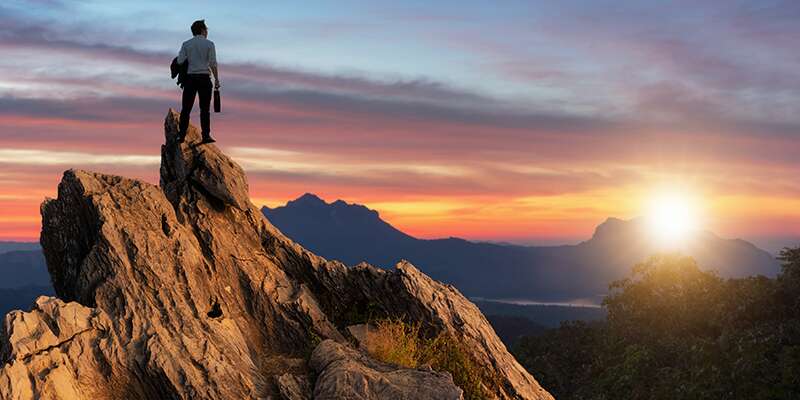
(185, 291)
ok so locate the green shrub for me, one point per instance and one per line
(443, 353)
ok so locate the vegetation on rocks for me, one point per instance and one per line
(396, 342)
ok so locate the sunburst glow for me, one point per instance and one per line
(672, 218)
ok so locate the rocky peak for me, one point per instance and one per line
(185, 291)
(191, 168)
(309, 199)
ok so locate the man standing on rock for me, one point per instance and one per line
(201, 55)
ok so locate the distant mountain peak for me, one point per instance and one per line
(310, 202)
(308, 218)
(614, 227)
(309, 199)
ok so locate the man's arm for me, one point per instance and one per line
(182, 54)
(216, 76)
(212, 63)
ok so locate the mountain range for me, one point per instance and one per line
(579, 273)
(353, 233)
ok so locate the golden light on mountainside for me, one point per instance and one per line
(672, 218)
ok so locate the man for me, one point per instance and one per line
(201, 55)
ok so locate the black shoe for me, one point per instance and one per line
(207, 140)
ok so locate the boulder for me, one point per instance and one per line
(345, 373)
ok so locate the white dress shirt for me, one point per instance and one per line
(201, 55)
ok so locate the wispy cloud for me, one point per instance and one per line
(549, 111)
(64, 158)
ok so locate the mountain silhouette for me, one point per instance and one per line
(353, 233)
(334, 229)
(6, 247)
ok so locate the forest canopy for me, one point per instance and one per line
(675, 331)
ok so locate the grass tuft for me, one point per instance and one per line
(396, 342)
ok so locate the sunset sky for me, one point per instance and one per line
(519, 121)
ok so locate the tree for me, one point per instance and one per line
(789, 279)
(677, 332)
(667, 296)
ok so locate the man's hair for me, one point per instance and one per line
(198, 27)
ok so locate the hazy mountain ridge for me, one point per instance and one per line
(6, 247)
(24, 275)
(20, 268)
(547, 273)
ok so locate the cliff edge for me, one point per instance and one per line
(185, 291)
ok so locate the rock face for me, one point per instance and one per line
(345, 373)
(185, 291)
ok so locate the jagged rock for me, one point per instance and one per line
(359, 332)
(54, 352)
(185, 291)
(294, 387)
(202, 168)
(344, 373)
(407, 292)
(50, 324)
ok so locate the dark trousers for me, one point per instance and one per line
(197, 84)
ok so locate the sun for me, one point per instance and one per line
(672, 219)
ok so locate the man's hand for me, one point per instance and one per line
(216, 76)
